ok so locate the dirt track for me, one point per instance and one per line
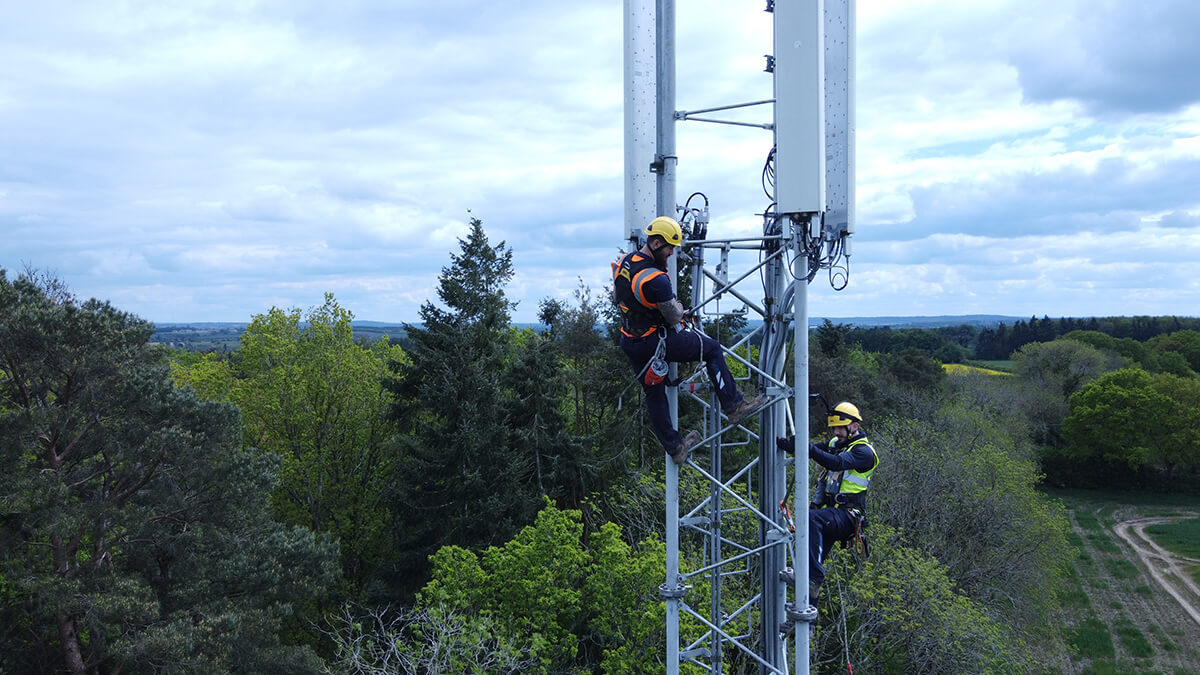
(1150, 606)
(1167, 569)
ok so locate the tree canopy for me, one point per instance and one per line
(135, 530)
(1136, 420)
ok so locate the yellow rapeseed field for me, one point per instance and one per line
(961, 369)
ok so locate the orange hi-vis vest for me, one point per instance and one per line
(630, 275)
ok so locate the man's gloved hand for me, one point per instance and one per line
(812, 451)
(787, 445)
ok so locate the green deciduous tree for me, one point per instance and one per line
(1136, 420)
(210, 375)
(1171, 362)
(551, 600)
(1063, 366)
(1128, 348)
(314, 397)
(135, 532)
(960, 489)
(904, 614)
(1183, 342)
(1052, 371)
(580, 605)
(913, 369)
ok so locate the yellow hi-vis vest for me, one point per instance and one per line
(852, 481)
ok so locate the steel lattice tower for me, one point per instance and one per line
(728, 540)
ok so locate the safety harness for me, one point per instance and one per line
(640, 317)
(631, 273)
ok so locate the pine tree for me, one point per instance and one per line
(460, 477)
(135, 533)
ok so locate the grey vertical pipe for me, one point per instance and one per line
(714, 552)
(641, 82)
(666, 109)
(664, 158)
(642, 60)
(772, 478)
(800, 403)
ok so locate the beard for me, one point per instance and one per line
(661, 258)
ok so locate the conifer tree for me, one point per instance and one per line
(460, 479)
(135, 533)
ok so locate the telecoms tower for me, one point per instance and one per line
(727, 544)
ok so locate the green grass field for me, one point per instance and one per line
(1181, 537)
(1114, 617)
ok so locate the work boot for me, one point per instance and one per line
(740, 411)
(680, 454)
(814, 592)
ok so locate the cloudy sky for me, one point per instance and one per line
(205, 161)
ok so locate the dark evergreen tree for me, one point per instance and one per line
(912, 368)
(135, 533)
(986, 344)
(534, 413)
(591, 374)
(461, 476)
(994, 344)
(831, 338)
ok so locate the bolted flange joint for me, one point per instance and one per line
(669, 593)
(807, 615)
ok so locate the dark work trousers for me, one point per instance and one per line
(682, 346)
(826, 527)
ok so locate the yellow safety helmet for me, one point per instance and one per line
(666, 227)
(843, 414)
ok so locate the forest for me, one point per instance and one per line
(485, 498)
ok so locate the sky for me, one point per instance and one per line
(210, 160)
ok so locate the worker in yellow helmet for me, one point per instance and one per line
(839, 503)
(653, 334)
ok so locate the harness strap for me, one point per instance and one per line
(638, 285)
(626, 333)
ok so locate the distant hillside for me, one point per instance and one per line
(225, 336)
(199, 337)
(989, 320)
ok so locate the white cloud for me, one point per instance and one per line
(208, 161)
